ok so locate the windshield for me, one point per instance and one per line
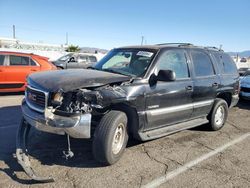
(130, 62)
(247, 73)
(65, 57)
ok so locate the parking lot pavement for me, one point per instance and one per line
(142, 163)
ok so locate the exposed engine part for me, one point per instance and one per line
(72, 102)
(22, 155)
(68, 154)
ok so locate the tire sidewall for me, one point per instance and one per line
(219, 103)
(104, 134)
(110, 136)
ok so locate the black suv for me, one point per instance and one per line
(145, 92)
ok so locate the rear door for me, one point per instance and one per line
(83, 61)
(206, 82)
(17, 70)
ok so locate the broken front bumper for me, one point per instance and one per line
(77, 126)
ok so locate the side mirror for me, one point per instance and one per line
(166, 75)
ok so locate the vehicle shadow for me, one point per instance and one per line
(11, 93)
(244, 104)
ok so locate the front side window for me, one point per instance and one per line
(131, 62)
(2, 59)
(202, 64)
(19, 60)
(174, 60)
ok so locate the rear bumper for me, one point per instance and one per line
(77, 126)
(235, 100)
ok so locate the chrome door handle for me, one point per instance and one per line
(189, 87)
(215, 84)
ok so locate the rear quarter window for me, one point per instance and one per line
(225, 63)
(32, 62)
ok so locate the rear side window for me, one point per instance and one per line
(225, 63)
(202, 64)
(2, 59)
(176, 61)
(19, 60)
(83, 58)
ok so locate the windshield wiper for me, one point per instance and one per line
(113, 71)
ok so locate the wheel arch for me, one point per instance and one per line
(132, 115)
(227, 96)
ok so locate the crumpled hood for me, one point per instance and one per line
(69, 80)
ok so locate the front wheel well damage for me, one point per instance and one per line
(133, 119)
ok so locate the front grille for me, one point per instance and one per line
(245, 89)
(36, 99)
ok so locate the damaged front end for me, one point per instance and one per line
(69, 113)
(22, 154)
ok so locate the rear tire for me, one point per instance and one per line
(218, 115)
(110, 137)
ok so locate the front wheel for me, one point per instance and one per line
(110, 137)
(218, 115)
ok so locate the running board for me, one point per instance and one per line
(160, 132)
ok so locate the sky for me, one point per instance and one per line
(113, 23)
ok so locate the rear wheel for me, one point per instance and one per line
(110, 137)
(218, 115)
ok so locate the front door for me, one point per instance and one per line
(170, 102)
(72, 63)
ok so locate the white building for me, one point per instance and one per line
(52, 51)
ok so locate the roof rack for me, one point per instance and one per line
(178, 44)
(213, 48)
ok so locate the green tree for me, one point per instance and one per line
(72, 48)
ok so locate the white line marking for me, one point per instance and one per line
(163, 179)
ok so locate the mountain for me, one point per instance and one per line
(241, 54)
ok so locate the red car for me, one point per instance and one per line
(16, 66)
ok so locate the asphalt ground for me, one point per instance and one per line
(191, 158)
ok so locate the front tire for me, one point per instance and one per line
(218, 115)
(110, 137)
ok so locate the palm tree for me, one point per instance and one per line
(72, 48)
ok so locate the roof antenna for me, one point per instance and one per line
(220, 48)
(142, 40)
